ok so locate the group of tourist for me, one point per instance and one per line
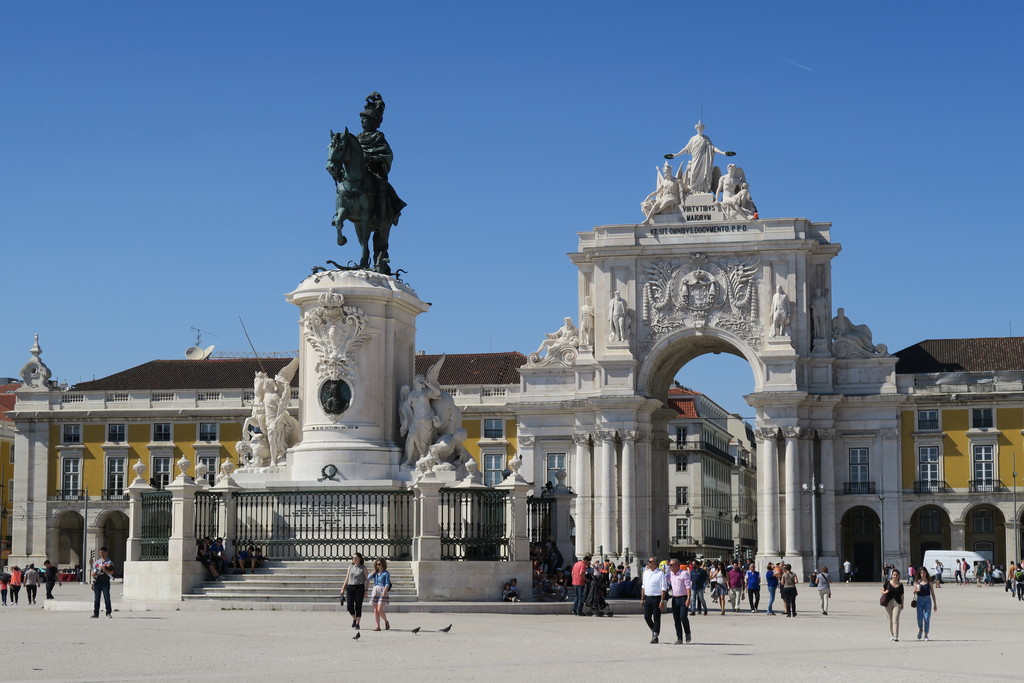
(211, 554)
(353, 591)
(30, 578)
(924, 600)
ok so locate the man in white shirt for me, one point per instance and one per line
(655, 590)
(847, 569)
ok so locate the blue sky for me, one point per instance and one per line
(162, 165)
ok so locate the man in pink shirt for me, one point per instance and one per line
(579, 582)
(679, 584)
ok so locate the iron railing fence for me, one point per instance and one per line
(474, 524)
(325, 525)
(539, 515)
(207, 515)
(156, 525)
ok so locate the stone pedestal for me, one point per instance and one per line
(357, 345)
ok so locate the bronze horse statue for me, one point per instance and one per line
(364, 199)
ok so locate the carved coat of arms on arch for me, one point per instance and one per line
(700, 293)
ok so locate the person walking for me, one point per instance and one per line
(735, 586)
(379, 598)
(31, 580)
(753, 579)
(50, 577)
(354, 588)
(680, 581)
(16, 579)
(654, 589)
(926, 599)
(719, 585)
(892, 600)
(824, 589)
(698, 584)
(579, 584)
(789, 581)
(5, 584)
(771, 579)
(102, 572)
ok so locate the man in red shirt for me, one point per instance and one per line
(579, 582)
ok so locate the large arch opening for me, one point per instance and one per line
(985, 532)
(113, 528)
(929, 530)
(711, 468)
(70, 533)
(862, 542)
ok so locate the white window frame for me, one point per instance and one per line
(938, 424)
(170, 432)
(992, 417)
(110, 460)
(199, 432)
(992, 451)
(64, 432)
(122, 425)
(866, 464)
(685, 491)
(490, 470)
(937, 464)
(550, 470)
(153, 471)
(65, 473)
(501, 425)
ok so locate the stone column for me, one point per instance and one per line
(583, 484)
(517, 528)
(829, 546)
(644, 492)
(794, 540)
(427, 542)
(629, 490)
(226, 486)
(956, 535)
(560, 522)
(768, 493)
(605, 503)
(135, 490)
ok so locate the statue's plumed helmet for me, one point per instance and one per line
(374, 109)
(699, 127)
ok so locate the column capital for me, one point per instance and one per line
(794, 432)
(635, 435)
(581, 438)
(889, 434)
(767, 433)
(826, 434)
(605, 435)
(526, 440)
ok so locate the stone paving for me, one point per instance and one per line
(975, 635)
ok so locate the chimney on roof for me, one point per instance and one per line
(421, 352)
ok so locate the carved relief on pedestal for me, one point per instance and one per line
(702, 293)
(526, 440)
(335, 332)
(889, 434)
(561, 346)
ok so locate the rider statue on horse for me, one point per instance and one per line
(360, 166)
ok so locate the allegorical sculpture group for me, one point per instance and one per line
(729, 192)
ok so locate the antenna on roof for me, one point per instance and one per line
(258, 359)
(196, 351)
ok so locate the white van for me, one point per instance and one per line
(949, 558)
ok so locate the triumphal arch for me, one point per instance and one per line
(704, 272)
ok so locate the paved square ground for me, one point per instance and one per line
(976, 634)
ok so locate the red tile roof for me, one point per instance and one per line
(686, 407)
(977, 354)
(7, 399)
(475, 368)
(212, 373)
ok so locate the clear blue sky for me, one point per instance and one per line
(162, 164)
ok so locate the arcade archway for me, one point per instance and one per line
(113, 533)
(929, 530)
(70, 531)
(862, 542)
(985, 532)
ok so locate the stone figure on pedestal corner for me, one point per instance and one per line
(700, 172)
(587, 322)
(270, 430)
(819, 315)
(780, 312)
(667, 195)
(426, 413)
(360, 166)
(618, 319)
(853, 341)
(730, 183)
(561, 345)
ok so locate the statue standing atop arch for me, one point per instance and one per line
(360, 166)
(700, 173)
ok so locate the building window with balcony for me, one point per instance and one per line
(927, 419)
(116, 433)
(928, 465)
(115, 478)
(494, 429)
(207, 431)
(983, 468)
(555, 463)
(983, 522)
(161, 471)
(859, 474)
(682, 495)
(682, 529)
(162, 432)
(211, 467)
(70, 478)
(72, 433)
(981, 418)
(494, 466)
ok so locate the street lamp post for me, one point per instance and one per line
(814, 490)
(1016, 517)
